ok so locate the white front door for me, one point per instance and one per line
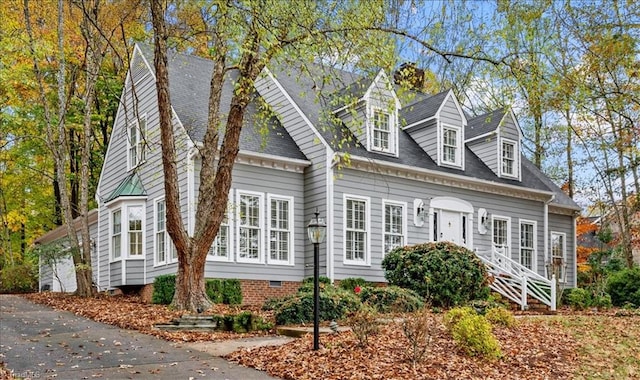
(451, 227)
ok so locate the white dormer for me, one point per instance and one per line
(373, 116)
(438, 125)
(496, 139)
(382, 106)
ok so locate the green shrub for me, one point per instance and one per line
(164, 287)
(226, 291)
(441, 272)
(473, 334)
(453, 316)
(624, 287)
(307, 283)
(231, 292)
(213, 287)
(335, 303)
(579, 299)
(391, 299)
(500, 316)
(19, 278)
(364, 323)
(241, 323)
(350, 283)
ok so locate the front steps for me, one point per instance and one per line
(191, 323)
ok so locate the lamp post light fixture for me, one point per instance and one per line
(316, 230)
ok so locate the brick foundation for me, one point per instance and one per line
(256, 292)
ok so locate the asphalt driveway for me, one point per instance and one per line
(39, 342)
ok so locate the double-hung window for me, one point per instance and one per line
(135, 141)
(134, 218)
(221, 247)
(249, 227)
(501, 233)
(558, 254)
(381, 130)
(451, 145)
(160, 233)
(394, 225)
(509, 158)
(280, 229)
(116, 234)
(527, 243)
(163, 244)
(127, 231)
(356, 221)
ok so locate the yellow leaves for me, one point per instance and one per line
(16, 220)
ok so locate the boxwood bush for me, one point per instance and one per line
(227, 291)
(335, 303)
(443, 273)
(624, 287)
(391, 299)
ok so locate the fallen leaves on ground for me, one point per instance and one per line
(531, 350)
(5, 374)
(129, 312)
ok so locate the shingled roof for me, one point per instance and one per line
(189, 81)
(189, 77)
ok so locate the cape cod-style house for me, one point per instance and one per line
(416, 170)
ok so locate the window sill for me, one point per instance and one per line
(219, 259)
(280, 263)
(356, 263)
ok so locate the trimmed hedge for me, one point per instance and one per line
(227, 291)
(351, 283)
(443, 273)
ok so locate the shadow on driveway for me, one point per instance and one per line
(39, 342)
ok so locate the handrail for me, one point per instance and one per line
(516, 282)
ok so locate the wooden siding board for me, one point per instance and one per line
(487, 150)
(379, 187)
(564, 224)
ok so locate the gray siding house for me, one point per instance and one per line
(412, 171)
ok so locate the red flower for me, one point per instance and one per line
(358, 289)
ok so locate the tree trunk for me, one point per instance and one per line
(190, 286)
(569, 153)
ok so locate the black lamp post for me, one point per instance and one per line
(316, 230)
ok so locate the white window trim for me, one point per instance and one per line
(508, 220)
(393, 131)
(155, 232)
(367, 200)
(231, 238)
(534, 254)
(459, 147)
(124, 233)
(112, 257)
(140, 153)
(290, 260)
(516, 158)
(261, 222)
(564, 253)
(386, 202)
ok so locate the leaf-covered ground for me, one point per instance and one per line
(570, 345)
(129, 312)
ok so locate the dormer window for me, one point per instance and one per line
(451, 145)
(381, 130)
(135, 142)
(509, 154)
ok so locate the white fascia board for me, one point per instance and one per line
(455, 101)
(365, 164)
(484, 135)
(382, 75)
(270, 160)
(420, 122)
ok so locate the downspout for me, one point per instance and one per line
(546, 230)
(330, 160)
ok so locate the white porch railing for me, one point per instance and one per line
(517, 282)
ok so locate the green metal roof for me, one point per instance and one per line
(129, 187)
